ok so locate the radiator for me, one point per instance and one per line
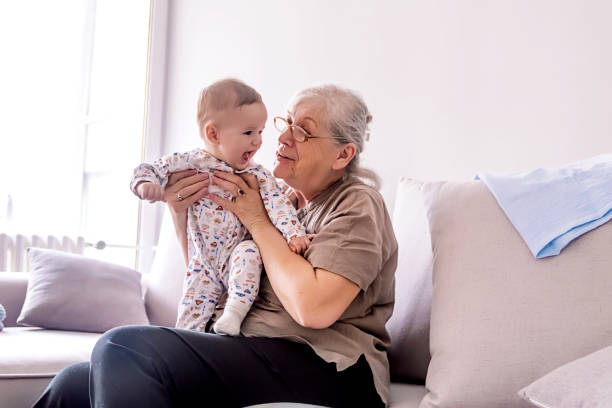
(13, 249)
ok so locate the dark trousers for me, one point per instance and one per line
(144, 366)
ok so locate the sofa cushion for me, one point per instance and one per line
(501, 319)
(409, 324)
(30, 357)
(35, 352)
(581, 383)
(402, 396)
(73, 292)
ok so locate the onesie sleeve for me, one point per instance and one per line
(159, 171)
(278, 205)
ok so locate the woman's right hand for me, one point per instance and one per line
(185, 188)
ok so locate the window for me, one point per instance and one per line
(73, 101)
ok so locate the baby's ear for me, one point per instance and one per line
(209, 132)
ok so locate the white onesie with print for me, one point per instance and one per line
(220, 259)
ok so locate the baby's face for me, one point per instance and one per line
(240, 134)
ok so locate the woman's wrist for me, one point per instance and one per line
(259, 226)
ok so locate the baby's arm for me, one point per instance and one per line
(149, 179)
(150, 191)
(281, 212)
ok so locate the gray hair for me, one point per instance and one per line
(347, 117)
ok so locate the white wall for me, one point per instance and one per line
(455, 87)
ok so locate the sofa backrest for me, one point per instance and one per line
(165, 281)
(409, 324)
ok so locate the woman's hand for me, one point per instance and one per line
(185, 188)
(247, 204)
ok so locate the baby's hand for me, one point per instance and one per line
(299, 245)
(150, 191)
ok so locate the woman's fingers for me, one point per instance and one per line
(228, 186)
(185, 181)
(251, 180)
(185, 188)
(229, 182)
(179, 206)
(191, 189)
(175, 177)
(226, 204)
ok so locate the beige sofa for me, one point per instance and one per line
(499, 318)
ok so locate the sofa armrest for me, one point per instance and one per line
(13, 286)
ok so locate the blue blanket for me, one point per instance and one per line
(551, 207)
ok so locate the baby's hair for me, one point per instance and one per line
(223, 94)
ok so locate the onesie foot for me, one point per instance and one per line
(229, 323)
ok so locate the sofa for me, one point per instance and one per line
(476, 319)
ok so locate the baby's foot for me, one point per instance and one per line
(229, 323)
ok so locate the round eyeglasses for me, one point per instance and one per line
(299, 133)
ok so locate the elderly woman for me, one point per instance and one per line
(316, 333)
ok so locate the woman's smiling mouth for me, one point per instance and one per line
(279, 156)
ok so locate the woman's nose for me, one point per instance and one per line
(286, 137)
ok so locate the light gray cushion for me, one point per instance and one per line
(402, 396)
(35, 352)
(409, 324)
(30, 357)
(586, 382)
(72, 292)
(501, 319)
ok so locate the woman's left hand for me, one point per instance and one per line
(247, 204)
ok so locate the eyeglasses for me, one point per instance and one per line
(299, 133)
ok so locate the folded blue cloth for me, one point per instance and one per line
(551, 207)
(2, 316)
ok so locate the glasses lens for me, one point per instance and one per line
(280, 124)
(299, 134)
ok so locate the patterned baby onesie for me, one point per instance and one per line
(220, 259)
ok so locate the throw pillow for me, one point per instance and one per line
(72, 292)
(501, 319)
(581, 383)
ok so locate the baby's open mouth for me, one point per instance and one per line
(247, 155)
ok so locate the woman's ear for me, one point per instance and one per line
(344, 156)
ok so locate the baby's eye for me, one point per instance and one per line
(261, 132)
(248, 132)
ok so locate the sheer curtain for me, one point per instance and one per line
(73, 82)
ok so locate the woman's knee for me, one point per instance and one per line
(132, 337)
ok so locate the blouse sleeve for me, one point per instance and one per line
(350, 241)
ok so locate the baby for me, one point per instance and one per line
(231, 118)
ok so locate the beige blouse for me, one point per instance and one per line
(355, 239)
